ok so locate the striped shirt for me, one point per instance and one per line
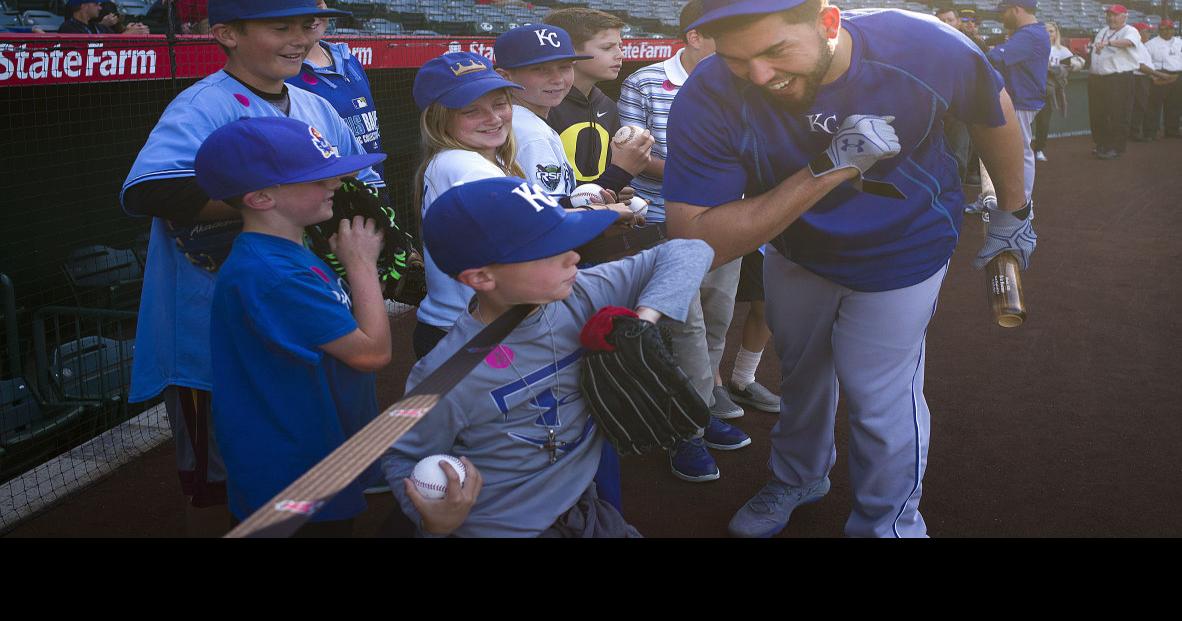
(645, 99)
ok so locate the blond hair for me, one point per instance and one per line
(1057, 37)
(435, 139)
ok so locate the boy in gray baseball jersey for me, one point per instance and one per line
(519, 417)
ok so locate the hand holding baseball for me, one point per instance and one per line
(861, 141)
(357, 244)
(444, 515)
(634, 153)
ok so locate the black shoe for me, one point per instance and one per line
(1110, 154)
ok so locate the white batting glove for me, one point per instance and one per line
(1005, 232)
(860, 142)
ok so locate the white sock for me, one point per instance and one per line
(745, 364)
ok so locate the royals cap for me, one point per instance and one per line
(533, 44)
(1119, 9)
(225, 11)
(504, 220)
(714, 10)
(456, 80)
(255, 153)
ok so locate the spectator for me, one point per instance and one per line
(121, 25)
(1062, 62)
(1110, 85)
(1166, 53)
(948, 16)
(80, 14)
(1142, 82)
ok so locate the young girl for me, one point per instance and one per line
(1062, 62)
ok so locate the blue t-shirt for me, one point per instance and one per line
(727, 139)
(280, 404)
(1022, 59)
(346, 87)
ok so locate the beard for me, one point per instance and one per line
(812, 81)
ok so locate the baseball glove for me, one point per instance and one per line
(401, 275)
(205, 244)
(638, 395)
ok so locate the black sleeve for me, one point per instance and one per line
(614, 178)
(72, 27)
(179, 199)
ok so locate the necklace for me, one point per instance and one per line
(552, 444)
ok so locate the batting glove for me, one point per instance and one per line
(1006, 232)
(860, 142)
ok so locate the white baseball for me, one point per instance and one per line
(586, 195)
(639, 206)
(429, 478)
(626, 133)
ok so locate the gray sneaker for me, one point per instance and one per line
(767, 513)
(723, 407)
(756, 396)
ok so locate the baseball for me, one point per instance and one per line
(586, 195)
(429, 478)
(627, 133)
(639, 206)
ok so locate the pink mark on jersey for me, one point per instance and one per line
(669, 86)
(242, 99)
(500, 357)
(320, 273)
(309, 78)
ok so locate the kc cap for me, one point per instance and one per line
(533, 44)
(225, 11)
(456, 80)
(504, 220)
(715, 10)
(255, 153)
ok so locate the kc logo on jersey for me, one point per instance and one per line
(322, 144)
(547, 37)
(821, 123)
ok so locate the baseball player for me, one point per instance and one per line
(265, 43)
(519, 416)
(1022, 61)
(803, 104)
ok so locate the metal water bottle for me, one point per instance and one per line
(1005, 290)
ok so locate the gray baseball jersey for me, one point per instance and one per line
(540, 153)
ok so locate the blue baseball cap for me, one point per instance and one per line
(504, 220)
(456, 80)
(81, 2)
(255, 153)
(1026, 4)
(225, 11)
(714, 10)
(533, 44)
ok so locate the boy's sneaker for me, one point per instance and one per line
(690, 461)
(756, 396)
(723, 406)
(724, 437)
(767, 513)
(1040, 156)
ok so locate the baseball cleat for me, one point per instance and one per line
(767, 513)
(756, 396)
(723, 407)
(724, 437)
(1040, 156)
(690, 461)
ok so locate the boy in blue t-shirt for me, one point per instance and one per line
(294, 347)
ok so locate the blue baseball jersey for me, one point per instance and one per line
(1022, 60)
(728, 139)
(280, 404)
(345, 86)
(172, 332)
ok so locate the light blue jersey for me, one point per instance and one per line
(172, 333)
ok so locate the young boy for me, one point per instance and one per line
(541, 59)
(265, 42)
(294, 348)
(519, 417)
(586, 120)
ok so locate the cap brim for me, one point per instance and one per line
(544, 59)
(746, 7)
(292, 12)
(469, 92)
(576, 229)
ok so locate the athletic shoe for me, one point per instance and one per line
(767, 513)
(724, 437)
(756, 396)
(690, 461)
(723, 407)
(1110, 154)
(1040, 156)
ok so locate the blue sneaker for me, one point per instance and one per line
(724, 437)
(690, 461)
(767, 513)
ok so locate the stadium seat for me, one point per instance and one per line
(114, 275)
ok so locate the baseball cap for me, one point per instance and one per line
(456, 80)
(533, 44)
(1026, 4)
(1142, 26)
(225, 11)
(81, 2)
(1119, 9)
(1166, 23)
(968, 15)
(714, 10)
(254, 153)
(504, 220)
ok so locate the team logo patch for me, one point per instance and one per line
(549, 176)
(547, 37)
(322, 144)
(472, 66)
(360, 103)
